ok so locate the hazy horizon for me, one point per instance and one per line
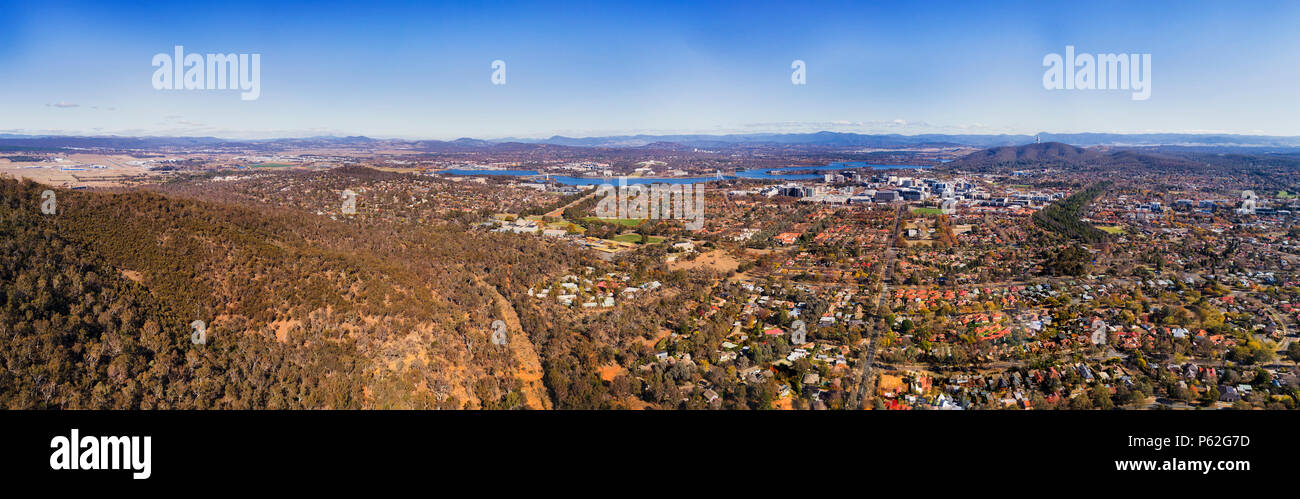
(543, 137)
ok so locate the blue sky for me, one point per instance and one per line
(422, 70)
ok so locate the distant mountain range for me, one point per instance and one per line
(837, 139)
(832, 140)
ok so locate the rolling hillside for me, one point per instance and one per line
(301, 312)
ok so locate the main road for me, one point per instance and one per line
(869, 356)
(559, 212)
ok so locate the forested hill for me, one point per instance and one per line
(97, 301)
(1119, 162)
(1033, 154)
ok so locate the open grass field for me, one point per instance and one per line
(628, 222)
(1112, 229)
(636, 238)
(927, 211)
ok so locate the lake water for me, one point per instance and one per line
(567, 180)
(757, 173)
(762, 173)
